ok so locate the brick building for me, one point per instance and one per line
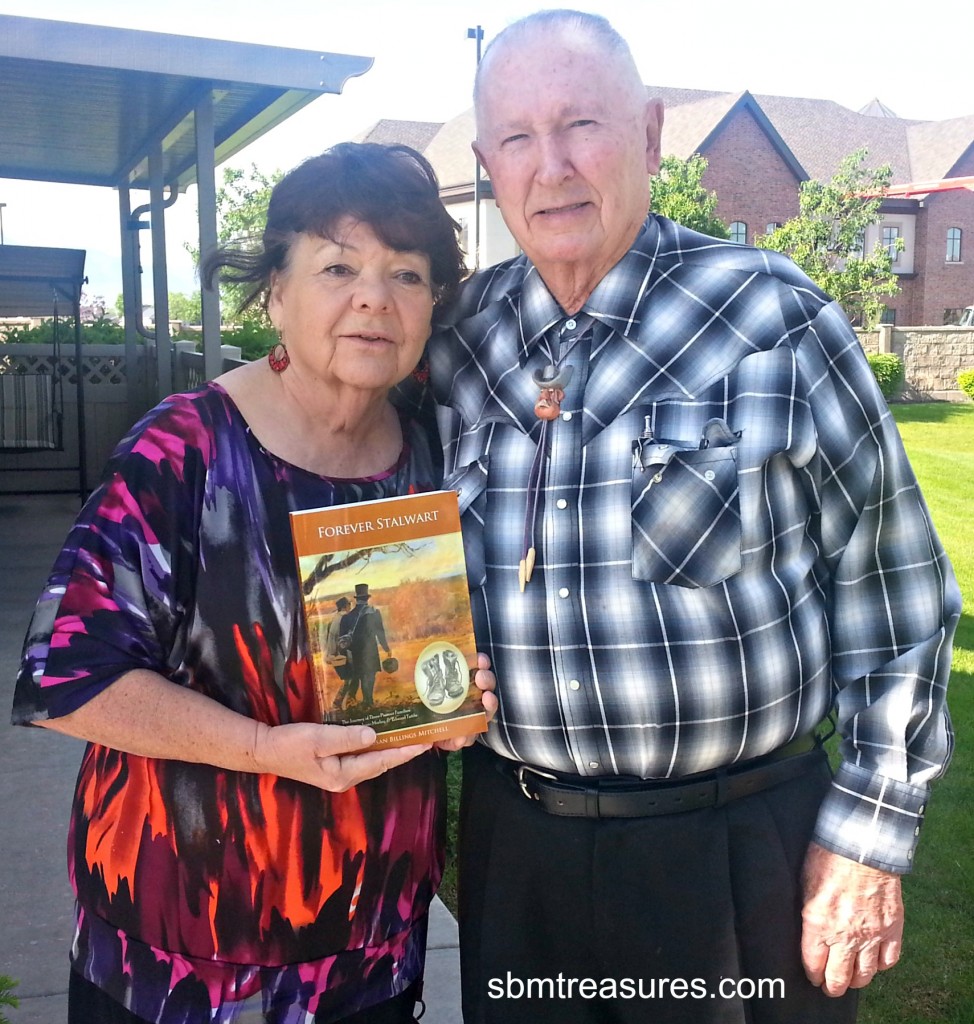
(759, 149)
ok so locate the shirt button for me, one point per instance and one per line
(593, 764)
(566, 416)
(573, 684)
(916, 831)
(570, 325)
(923, 807)
(561, 503)
(563, 592)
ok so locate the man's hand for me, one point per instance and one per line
(486, 683)
(852, 921)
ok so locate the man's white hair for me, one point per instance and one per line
(562, 24)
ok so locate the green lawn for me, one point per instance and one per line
(934, 981)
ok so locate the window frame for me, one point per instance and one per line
(890, 246)
(955, 241)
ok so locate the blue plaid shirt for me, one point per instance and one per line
(730, 540)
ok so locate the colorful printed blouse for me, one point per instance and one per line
(203, 893)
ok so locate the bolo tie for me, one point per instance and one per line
(551, 383)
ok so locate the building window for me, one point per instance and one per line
(738, 232)
(953, 245)
(464, 239)
(890, 237)
(888, 316)
(771, 227)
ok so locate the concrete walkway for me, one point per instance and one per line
(37, 772)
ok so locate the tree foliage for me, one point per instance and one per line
(102, 331)
(826, 238)
(241, 211)
(188, 309)
(7, 998)
(678, 193)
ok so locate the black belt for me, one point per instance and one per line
(618, 798)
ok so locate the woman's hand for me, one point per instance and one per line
(324, 755)
(486, 682)
(146, 714)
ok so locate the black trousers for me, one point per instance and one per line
(689, 918)
(88, 1004)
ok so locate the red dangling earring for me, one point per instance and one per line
(278, 358)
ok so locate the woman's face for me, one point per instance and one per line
(352, 312)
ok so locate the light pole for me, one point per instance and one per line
(2, 205)
(478, 34)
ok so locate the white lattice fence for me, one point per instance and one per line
(100, 366)
(106, 405)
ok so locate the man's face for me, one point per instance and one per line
(569, 147)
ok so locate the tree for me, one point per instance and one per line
(826, 238)
(7, 998)
(187, 309)
(241, 211)
(92, 307)
(678, 193)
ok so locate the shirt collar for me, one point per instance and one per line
(537, 312)
(613, 301)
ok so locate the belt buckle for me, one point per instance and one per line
(523, 783)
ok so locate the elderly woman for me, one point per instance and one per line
(232, 860)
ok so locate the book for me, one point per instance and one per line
(390, 631)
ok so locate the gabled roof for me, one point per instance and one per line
(746, 102)
(84, 103)
(812, 136)
(417, 134)
(686, 124)
(450, 152)
(821, 132)
(937, 147)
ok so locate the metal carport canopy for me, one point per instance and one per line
(92, 105)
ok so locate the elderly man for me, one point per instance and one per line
(691, 532)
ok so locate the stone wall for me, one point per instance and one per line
(932, 358)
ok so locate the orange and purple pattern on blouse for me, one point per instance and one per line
(201, 890)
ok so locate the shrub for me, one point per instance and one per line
(99, 332)
(254, 336)
(965, 381)
(888, 371)
(7, 985)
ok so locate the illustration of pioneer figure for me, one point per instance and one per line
(361, 633)
(333, 656)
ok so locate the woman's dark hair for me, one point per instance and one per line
(393, 189)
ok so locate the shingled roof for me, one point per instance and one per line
(417, 134)
(812, 135)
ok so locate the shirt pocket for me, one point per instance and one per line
(470, 483)
(686, 520)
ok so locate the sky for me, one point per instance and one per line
(843, 50)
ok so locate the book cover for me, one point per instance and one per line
(390, 633)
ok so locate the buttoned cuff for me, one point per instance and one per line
(872, 819)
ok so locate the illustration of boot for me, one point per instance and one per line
(454, 677)
(435, 693)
